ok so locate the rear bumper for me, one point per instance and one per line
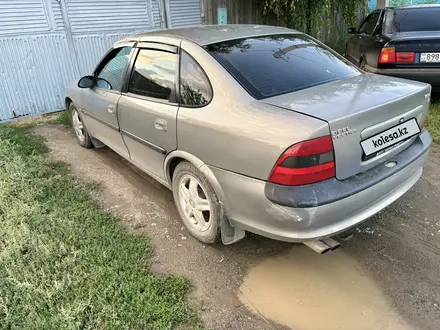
(248, 208)
(333, 190)
(430, 76)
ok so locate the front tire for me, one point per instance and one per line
(81, 133)
(197, 203)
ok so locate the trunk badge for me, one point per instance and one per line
(342, 132)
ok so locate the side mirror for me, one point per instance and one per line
(352, 30)
(103, 83)
(86, 82)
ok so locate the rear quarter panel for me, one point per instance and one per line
(234, 131)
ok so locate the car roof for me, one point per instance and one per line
(209, 34)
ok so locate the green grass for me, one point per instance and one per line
(433, 124)
(64, 263)
(61, 118)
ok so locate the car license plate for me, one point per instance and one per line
(390, 137)
(430, 58)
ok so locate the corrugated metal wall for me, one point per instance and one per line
(108, 15)
(185, 13)
(22, 16)
(45, 44)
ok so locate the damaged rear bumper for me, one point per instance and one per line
(298, 214)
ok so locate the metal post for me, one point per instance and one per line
(150, 13)
(166, 10)
(69, 37)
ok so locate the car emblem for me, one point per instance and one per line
(401, 120)
(343, 132)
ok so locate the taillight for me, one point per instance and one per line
(305, 162)
(405, 57)
(387, 55)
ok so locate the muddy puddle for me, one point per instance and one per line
(304, 290)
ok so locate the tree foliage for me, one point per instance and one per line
(311, 16)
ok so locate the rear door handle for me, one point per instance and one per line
(160, 124)
(111, 109)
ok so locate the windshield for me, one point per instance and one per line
(417, 19)
(272, 65)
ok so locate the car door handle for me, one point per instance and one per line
(111, 109)
(160, 124)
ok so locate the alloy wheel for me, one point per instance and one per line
(78, 126)
(196, 206)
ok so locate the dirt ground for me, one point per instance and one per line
(385, 276)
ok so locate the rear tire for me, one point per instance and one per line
(197, 203)
(81, 133)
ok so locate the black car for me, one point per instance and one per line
(402, 42)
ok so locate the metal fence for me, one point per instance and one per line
(45, 44)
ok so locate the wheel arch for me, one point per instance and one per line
(177, 156)
(67, 102)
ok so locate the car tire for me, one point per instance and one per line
(197, 203)
(79, 128)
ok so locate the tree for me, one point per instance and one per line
(311, 15)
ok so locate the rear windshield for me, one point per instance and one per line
(417, 19)
(272, 65)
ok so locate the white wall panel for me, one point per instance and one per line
(185, 13)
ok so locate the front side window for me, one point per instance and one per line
(195, 89)
(154, 74)
(112, 73)
(369, 24)
(278, 64)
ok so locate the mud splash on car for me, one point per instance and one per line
(304, 290)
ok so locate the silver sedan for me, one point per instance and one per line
(255, 128)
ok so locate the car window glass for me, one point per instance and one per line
(369, 24)
(154, 74)
(388, 22)
(417, 19)
(277, 64)
(194, 85)
(111, 74)
(364, 23)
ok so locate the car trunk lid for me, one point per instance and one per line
(425, 46)
(359, 108)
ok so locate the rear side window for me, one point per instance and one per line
(195, 89)
(154, 74)
(417, 19)
(272, 65)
